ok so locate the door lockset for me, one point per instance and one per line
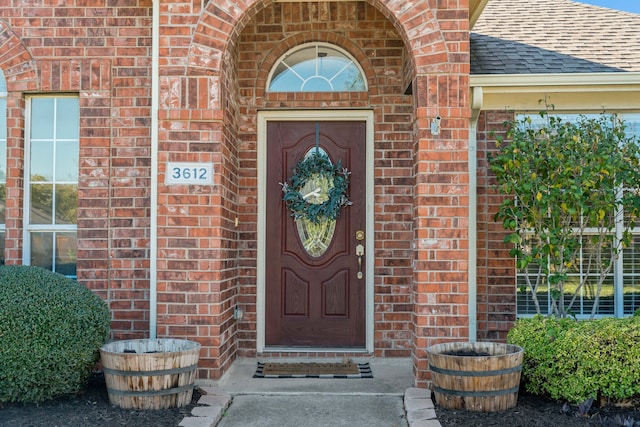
(359, 254)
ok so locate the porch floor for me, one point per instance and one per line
(391, 376)
(387, 399)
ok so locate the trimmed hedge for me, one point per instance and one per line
(51, 330)
(575, 360)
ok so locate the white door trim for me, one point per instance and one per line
(312, 115)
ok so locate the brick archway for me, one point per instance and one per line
(18, 66)
(437, 64)
(220, 27)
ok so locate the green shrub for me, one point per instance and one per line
(575, 360)
(51, 330)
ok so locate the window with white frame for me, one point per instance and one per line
(51, 183)
(620, 295)
(316, 67)
(3, 161)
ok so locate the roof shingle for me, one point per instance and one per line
(554, 36)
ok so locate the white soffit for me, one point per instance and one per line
(593, 91)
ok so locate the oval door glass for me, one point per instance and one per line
(316, 237)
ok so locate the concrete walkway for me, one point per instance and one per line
(387, 400)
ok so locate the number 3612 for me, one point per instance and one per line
(189, 173)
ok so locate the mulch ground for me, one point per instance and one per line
(90, 407)
(535, 411)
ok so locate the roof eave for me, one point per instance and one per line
(558, 79)
(475, 10)
(580, 91)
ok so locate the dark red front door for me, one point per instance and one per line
(315, 300)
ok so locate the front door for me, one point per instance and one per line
(314, 276)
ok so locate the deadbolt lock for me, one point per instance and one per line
(360, 235)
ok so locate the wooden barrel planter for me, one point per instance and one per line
(482, 377)
(150, 373)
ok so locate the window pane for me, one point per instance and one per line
(67, 153)
(317, 84)
(2, 247)
(42, 250)
(66, 203)
(316, 68)
(584, 273)
(525, 298)
(3, 202)
(67, 118)
(3, 118)
(41, 161)
(585, 305)
(66, 249)
(41, 204)
(3, 160)
(42, 114)
(302, 62)
(632, 123)
(631, 255)
(631, 267)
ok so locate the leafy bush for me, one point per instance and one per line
(51, 330)
(561, 181)
(577, 360)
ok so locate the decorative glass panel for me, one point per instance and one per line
(317, 67)
(316, 237)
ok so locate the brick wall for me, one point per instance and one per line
(496, 269)
(197, 237)
(101, 53)
(214, 61)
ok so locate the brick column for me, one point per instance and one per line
(196, 223)
(441, 211)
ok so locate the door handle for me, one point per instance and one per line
(359, 254)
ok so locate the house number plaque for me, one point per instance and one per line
(189, 173)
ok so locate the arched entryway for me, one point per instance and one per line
(415, 71)
(386, 111)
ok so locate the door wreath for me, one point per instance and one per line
(317, 190)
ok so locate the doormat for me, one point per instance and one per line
(313, 370)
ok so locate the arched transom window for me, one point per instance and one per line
(316, 67)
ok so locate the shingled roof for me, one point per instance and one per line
(554, 36)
